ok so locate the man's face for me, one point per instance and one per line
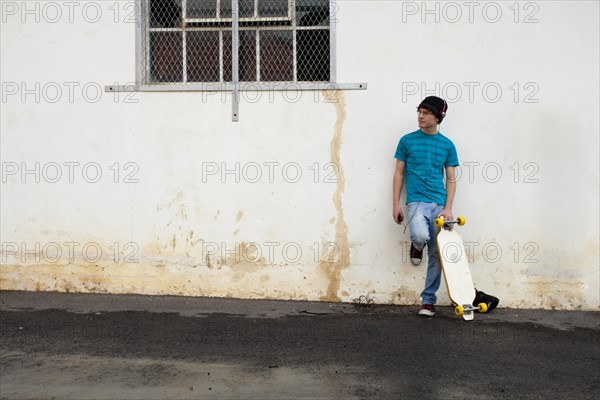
(426, 119)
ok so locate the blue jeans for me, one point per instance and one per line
(421, 221)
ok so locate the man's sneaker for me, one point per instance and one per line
(416, 256)
(427, 310)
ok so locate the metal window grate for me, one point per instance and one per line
(191, 41)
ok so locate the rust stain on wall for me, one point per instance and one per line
(592, 248)
(333, 268)
(246, 258)
(174, 229)
(405, 295)
(173, 243)
(152, 249)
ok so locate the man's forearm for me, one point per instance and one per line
(398, 183)
(450, 192)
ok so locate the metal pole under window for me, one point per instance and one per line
(184, 34)
(234, 60)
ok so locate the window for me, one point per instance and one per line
(190, 41)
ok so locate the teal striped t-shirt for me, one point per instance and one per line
(426, 156)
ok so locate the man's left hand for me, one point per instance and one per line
(446, 214)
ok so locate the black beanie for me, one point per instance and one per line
(436, 105)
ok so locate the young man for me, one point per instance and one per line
(421, 157)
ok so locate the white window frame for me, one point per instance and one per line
(234, 86)
(263, 84)
(240, 19)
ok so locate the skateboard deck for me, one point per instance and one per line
(456, 270)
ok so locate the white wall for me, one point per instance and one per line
(541, 213)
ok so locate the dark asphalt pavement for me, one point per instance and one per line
(91, 346)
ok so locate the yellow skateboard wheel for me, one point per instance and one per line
(459, 310)
(482, 307)
(439, 222)
(461, 221)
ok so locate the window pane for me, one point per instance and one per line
(247, 56)
(273, 8)
(203, 56)
(166, 57)
(246, 8)
(312, 12)
(276, 56)
(200, 41)
(165, 13)
(312, 47)
(201, 8)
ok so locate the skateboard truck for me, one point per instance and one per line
(440, 223)
(468, 308)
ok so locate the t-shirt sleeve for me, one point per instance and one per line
(401, 153)
(452, 159)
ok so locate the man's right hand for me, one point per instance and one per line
(397, 214)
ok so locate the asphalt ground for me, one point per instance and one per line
(100, 346)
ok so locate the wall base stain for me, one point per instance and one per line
(288, 283)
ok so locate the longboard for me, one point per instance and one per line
(455, 267)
